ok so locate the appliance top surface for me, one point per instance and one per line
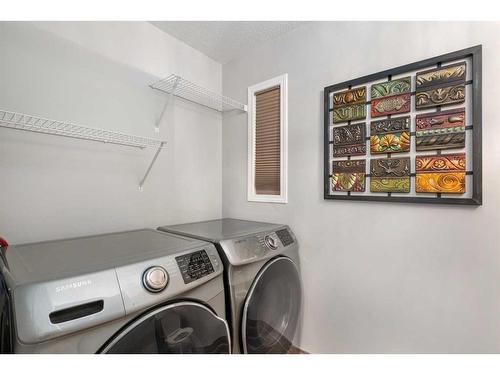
(221, 229)
(70, 257)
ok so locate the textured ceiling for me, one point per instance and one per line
(225, 40)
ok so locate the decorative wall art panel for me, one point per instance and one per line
(440, 96)
(349, 105)
(391, 175)
(441, 86)
(348, 175)
(391, 97)
(390, 88)
(434, 142)
(349, 140)
(349, 113)
(442, 76)
(348, 97)
(391, 105)
(440, 173)
(440, 130)
(390, 135)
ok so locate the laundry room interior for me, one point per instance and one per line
(182, 177)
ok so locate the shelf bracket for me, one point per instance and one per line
(141, 184)
(167, 102)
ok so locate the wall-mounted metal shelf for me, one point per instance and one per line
(20, 121)
(178, 86)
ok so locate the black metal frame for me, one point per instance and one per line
(475, 54)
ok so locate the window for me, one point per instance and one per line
(268, 141)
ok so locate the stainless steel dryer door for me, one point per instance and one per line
(272, 308)
(182, 327)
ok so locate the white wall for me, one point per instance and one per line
(96, 74)
(378, 277)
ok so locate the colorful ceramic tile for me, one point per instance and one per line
(390, 88)
(348, 97)
(440, 96)
(442, 76)
(349, 113)
(349, 105)
(391, 97)
(440, 130)
(391, 175)
(390, 135)
(440, 173)
(391, 105)
(441, 86)
(348, 175)
(349, 140)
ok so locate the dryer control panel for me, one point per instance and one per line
(285, 236)
(253, 247)
(273, 240)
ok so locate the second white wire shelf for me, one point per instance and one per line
(20, 121)
(178, 86)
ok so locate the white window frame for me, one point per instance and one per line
(252, 196)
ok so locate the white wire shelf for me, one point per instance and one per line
(187, 90)
(20, 121)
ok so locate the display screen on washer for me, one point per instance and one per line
(194, 265)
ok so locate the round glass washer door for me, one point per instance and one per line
(179, 328)
(272, 309)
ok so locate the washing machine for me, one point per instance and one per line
(262, 278)
(140, 291)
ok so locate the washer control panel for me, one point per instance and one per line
(194, 266)
(152, 281)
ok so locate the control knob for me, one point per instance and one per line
(271, 242)
(155, 279)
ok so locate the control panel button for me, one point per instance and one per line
(215, 262)
(155, 279)
(271, 242)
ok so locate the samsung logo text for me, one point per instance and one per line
(74, 285)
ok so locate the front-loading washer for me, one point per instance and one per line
(140, 291)
(262, 276)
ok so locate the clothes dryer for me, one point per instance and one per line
(262, 276)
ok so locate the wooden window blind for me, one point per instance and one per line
(268, 141)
